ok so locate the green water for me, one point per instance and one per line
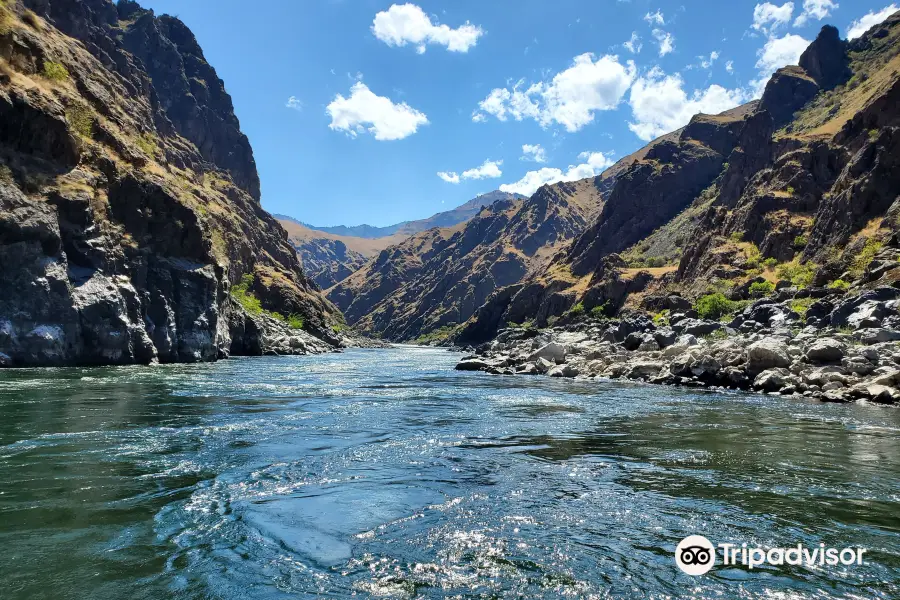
(385, 473)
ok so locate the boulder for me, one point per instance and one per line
(543, 365)
(826, 350)
(665, 336)
(767, 353)
(553, 352)
(644, 369)
(771, 380)
(472, 364)
(695, 327)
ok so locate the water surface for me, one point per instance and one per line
(385, 473)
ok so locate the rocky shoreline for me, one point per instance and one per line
(844, 348)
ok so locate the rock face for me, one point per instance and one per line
(129, 200)
(440, 277)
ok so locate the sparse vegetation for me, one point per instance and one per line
(760, 289)
(839, 284)
(147, 143)
(873, 135)
(790, 190)
(241, 292)
(32, 20)
(602, 311)
(737, 237)
(576, 311)
(6, 174)
(862, 260)
(770, 263)
(800, 241)
(661, 318)
(296, 321)
(81, 119)
(529, 324)
(55, 71)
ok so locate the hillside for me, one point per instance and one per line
(800, 187)
(129, 200)
(329, 258)
(448, 218)
(438, 278)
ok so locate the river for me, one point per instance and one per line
(385, 473)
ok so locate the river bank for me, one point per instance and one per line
(841, 348)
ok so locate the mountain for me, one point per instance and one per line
(439, 277)
(799, 190)
(449, 218)
(130, 224)
(329, 258)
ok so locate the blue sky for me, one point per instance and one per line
(367, 111)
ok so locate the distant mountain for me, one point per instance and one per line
(448, 218)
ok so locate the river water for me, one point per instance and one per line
(385, 473)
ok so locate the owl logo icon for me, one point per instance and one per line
(695, 555)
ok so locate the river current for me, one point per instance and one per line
(385, 473)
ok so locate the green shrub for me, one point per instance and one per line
(656, 261)
(577, 310)
(790, 191)
(241, 292)
(297, 321)
(714, 306)
(737, 237)
(81, 119)
(867, 255)
(839, 284)
(760, 289)
(800, 275)
(801, 305)
(770, 263)
(55, 71)
(873, 134)
(800, 241)
(661, 318)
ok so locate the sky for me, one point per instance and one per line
(369, 111)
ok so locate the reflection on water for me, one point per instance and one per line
(388, 474)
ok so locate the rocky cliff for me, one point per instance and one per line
(797, 190)
(129, 200)
(435, 280)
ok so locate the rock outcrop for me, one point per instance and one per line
(129, 200)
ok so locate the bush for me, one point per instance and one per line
(800, 275)
(839, 284)
(713, 306)
(760, 289)
(656, 261)
(770, 263)
(790, 191)
(802, 305)
(577, 310)
(55, 71)
(737, 237)
(81, 119)
(800, 241)
(867, 255)
(241, 292)
(297, 321)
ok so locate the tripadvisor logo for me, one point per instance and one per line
(696, 555)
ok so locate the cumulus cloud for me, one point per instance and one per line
(777, 53)
(634, 45)
(294, 103)
(869, 20)
(490, 169)
(660, 104)
(655, 18)
(768, 17)
(534, 153)
(666, 41)
(594, 164)
(570, 99)
(404, 24)
(365, 111)
(707, 62)
(814, 9)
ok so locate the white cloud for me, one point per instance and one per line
(729, 66)
(655, 18)
(570, 99)
(385, 120)
(815, 9)
(404, 24)
(768, 17)
(594, 164)
(534, 153)
(867, 21)
(660, 104)
(666, 41)
(295, 103)
(706, 63)
(490, 169)
(634, 45)
(777, 53)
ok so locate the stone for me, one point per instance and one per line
(472, 364)
(891, 378)
(543, 365)
(767, 353)
(697, 327)
(5, 360)
(648, 344)
(553, 352)
(771, 380)
(644, 369)
(826, 350)
(878, 335)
